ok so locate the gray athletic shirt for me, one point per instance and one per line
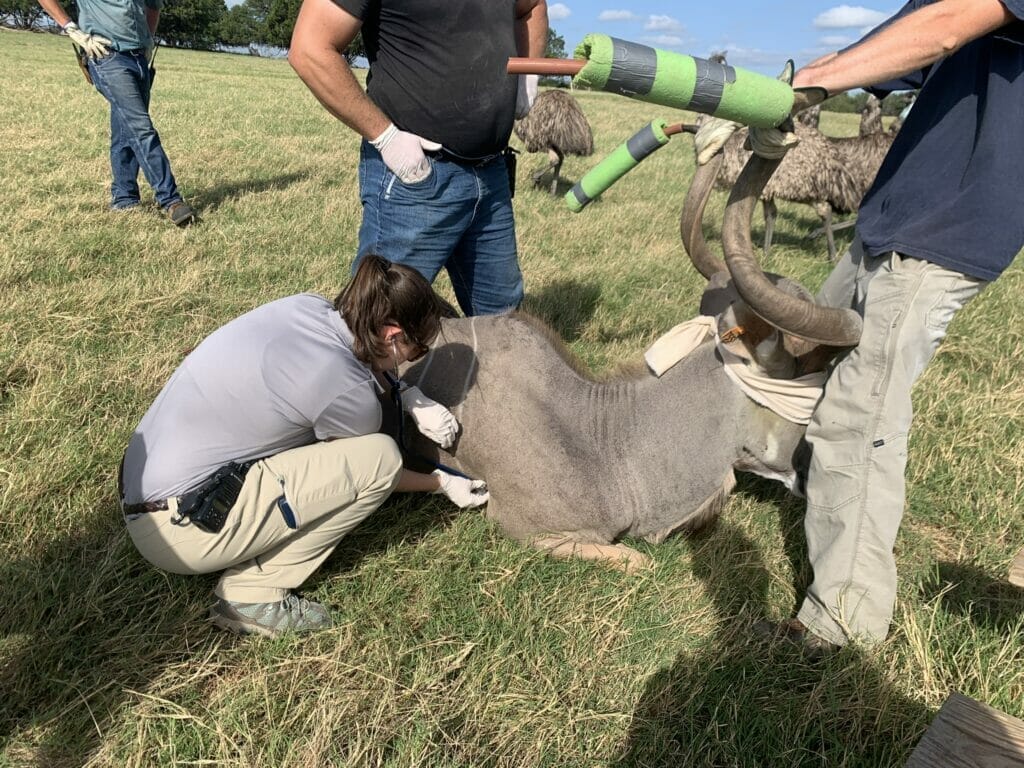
(278, 377)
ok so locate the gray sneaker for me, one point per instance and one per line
(293, 614)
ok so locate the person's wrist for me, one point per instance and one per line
(382, 141)
(68, 25)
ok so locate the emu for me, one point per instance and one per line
(557, 125)
(574, 465)
(813, 172)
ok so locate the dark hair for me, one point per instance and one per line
(381, 293)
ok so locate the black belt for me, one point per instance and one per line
(144, 507)
(472, 162)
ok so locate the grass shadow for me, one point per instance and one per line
(212, 198)
(788, 710)
(971, 592)
(567, 306)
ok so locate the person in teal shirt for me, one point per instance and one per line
(116, 37)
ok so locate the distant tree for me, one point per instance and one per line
(20, 14)
(239, 26)
(191, 23)
(556, 45)
(281, 22)
(355, 49)
(845, 102)
(555, 50)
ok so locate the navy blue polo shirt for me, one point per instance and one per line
(951, 189)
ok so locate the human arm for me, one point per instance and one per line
(912, 42)
(152, 19)
(55, 12)
(461, 491)
(531, 40)
(93, 45)
(323, 30)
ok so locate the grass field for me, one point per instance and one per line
(455, 646)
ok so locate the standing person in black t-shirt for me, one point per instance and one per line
(435, 120)
(942, 219)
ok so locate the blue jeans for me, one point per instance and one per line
(124, 80)
(459, 218)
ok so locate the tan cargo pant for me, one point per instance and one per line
(858, 436)
(330, 487)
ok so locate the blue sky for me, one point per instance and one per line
(756, 34)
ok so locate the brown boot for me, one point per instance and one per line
(793, 632)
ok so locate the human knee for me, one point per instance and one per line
(388, 467)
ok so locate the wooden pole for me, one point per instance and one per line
(524, 66)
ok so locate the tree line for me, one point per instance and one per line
(208, 24)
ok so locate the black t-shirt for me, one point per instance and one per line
(950, 189)
(437, 69)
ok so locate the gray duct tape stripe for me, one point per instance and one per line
(633, 68)
(581, 197)
(709, 85)
(642, 143)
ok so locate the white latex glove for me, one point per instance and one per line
(461, 491)
(526, 95)
(432, 419)
(93, 45)
(402, 153)
(711, 137)
(771, 143)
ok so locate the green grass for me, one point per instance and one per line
(456, 646)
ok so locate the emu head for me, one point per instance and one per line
(779, 317)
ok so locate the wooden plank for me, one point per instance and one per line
(1017, 570)
(969, 734)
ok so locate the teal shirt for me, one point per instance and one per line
(121, 21)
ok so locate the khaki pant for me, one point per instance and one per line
(330, 487)
(858, 436)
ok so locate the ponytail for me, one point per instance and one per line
(381, 293)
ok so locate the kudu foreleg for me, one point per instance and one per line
(618, 556)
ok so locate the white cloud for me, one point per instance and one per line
(847, 16)
(614, 16)
(558, 11)
(665, 41)
(836, 41)
(662, 24)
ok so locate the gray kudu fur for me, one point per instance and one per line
(574, 465)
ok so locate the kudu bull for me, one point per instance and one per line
(574, 465)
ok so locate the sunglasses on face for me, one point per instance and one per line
(419, 349)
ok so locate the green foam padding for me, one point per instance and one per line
(620, 162)
(751, 99)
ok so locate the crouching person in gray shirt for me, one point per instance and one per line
(262, 450)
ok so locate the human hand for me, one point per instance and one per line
(711, 137)
(432, 419)
(771, 143)
(462, 491)
(93, 45)
(526, 95)
(402, 153)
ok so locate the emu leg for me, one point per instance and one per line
(829, 235)
(618, 556)
(556, 163)
(770, 212)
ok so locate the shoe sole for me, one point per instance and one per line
(242, 627)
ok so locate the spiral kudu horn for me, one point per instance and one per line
(797, 316)
(690, 218)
